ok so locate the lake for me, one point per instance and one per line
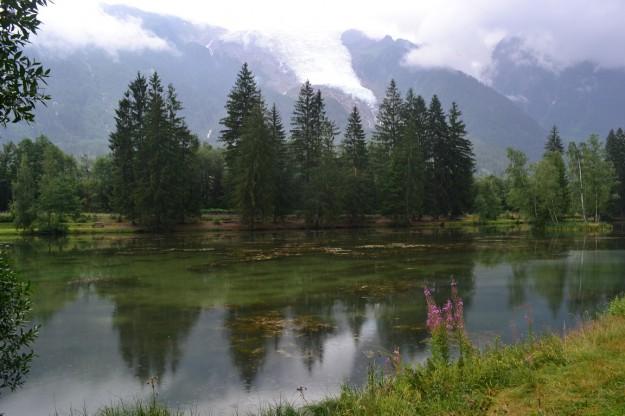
(232, 322)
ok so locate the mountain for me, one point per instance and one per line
(580, 99)
(202, 64)
(493, 121)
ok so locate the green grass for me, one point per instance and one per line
(137, 408)
(580, 374)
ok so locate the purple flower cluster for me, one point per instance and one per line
(451, 314)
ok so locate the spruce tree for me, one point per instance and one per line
(282, 166)
(183, 158)
(554, 151)
(243, 97)
(305, 134)
(122, 144)
(354, 144)
(438, 161)
(404, 187)
(389, 120)
(312, 144)
(254, 184)
(462, 163)
(356, 182)
(615, 150)
(129, 135)
(554, 142)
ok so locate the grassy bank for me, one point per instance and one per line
(582, 373)
(104, 223)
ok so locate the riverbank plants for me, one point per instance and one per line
(580, 373)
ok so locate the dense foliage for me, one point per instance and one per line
(582, 181)
(417, 164)
(21, 78)
(16, 335)
(154, 157)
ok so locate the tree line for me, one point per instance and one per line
(417, 162)
(585, 179)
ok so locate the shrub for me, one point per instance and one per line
(16, 335)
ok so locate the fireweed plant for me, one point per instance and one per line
(446, 325)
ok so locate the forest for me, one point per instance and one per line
(417, 164)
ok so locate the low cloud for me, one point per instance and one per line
(71, 24)
(458, 34)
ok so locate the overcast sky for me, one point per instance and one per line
(458, 34)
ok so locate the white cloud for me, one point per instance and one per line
(71, 24)
(459, 34)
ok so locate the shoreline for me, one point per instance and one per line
(98, 224)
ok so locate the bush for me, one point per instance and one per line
(16, 335)
(6, 217)
(617, 307)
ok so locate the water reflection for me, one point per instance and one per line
(227, 321)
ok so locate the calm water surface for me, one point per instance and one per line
(233, 322)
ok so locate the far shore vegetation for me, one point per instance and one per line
(416, 168)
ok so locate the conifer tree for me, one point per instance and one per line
(462, 163)
(615, 150)
(438, 158)
(354, 144)
(389, 120)
(243, 97)
(121, 143)
(312, 144)
(255, 172)
(129, 135)
(282, 166)
(305, 132)
(356, 190)
(183, 158)
(554, 142)
(404, 190)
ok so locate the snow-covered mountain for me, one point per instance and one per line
(516, 109)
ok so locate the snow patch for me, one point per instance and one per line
(318, 57)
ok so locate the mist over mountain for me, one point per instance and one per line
(580, 99)
(522, 102)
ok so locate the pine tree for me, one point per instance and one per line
(312, 144)
(554, 142)
(462, 164)
(354, 144)
(438, 161)
(156, 202)
(356, 192)
(129, 135)
(615, 149)
(122, 148)
(404, 188)
(183, 158)
(389, 120)
(305, 134)
(243, 97)
(282, 166)
(254, 175)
